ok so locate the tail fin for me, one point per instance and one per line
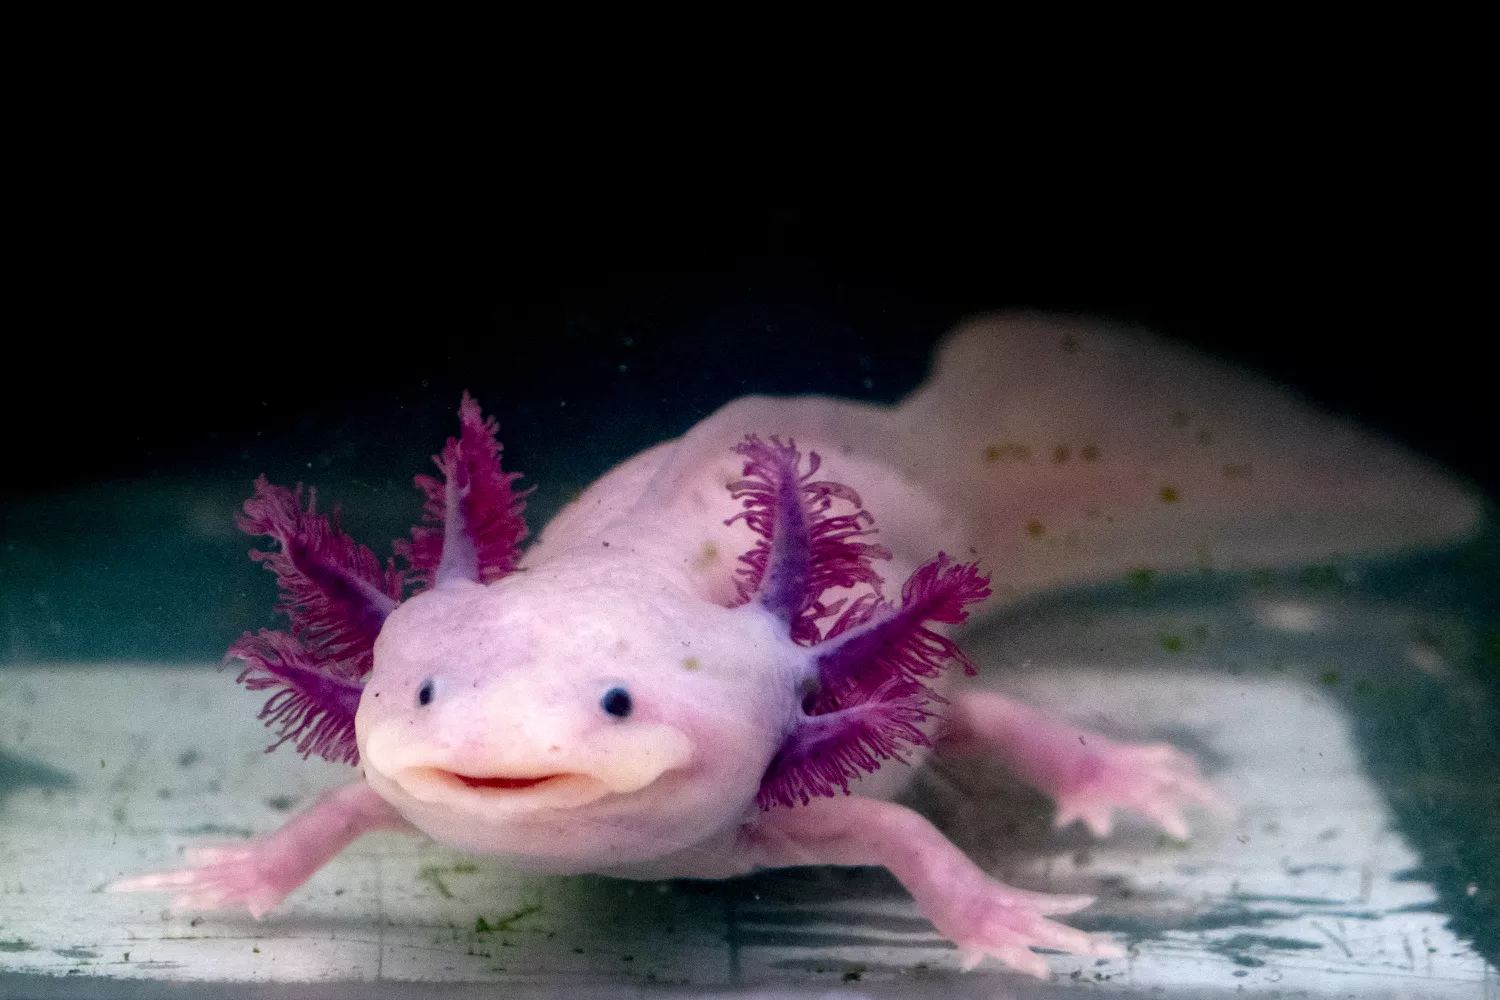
(1074, 452)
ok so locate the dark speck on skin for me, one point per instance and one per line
(281, 803)
(188, 758)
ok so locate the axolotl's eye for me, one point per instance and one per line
(425, 693)
(616, 702)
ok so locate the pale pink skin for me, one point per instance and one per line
(629, 586)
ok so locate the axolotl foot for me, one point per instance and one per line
(984, 917)
(259, 875)
(1156, 780)
(1087, 775)
(988, 919)
(221, 878)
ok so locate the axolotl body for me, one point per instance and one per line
(702, 657)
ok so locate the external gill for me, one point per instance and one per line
(868, 702)
(338, 596)
(314, 703)
(472, 527)
(803, 550)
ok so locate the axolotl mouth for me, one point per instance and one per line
(560, 789)
(509, 784)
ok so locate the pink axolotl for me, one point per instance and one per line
(709, 650)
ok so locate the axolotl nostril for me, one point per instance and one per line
(726, 654)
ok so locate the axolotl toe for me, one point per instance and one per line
(714, 661)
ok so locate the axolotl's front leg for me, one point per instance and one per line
(983, 916)
(1087, 775)
(259, 875)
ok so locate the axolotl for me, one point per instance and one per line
(729, 652)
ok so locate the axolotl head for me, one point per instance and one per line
(576, 718)
(593, 710)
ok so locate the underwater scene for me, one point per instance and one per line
(553, 661)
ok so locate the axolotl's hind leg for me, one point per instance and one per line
(1087, 775)
(260, 874)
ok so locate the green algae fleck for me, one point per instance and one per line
(506, 923)
(433, 876)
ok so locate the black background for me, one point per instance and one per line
(208, 329)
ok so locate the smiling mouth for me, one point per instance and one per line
(506, 784)
(563, 788)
